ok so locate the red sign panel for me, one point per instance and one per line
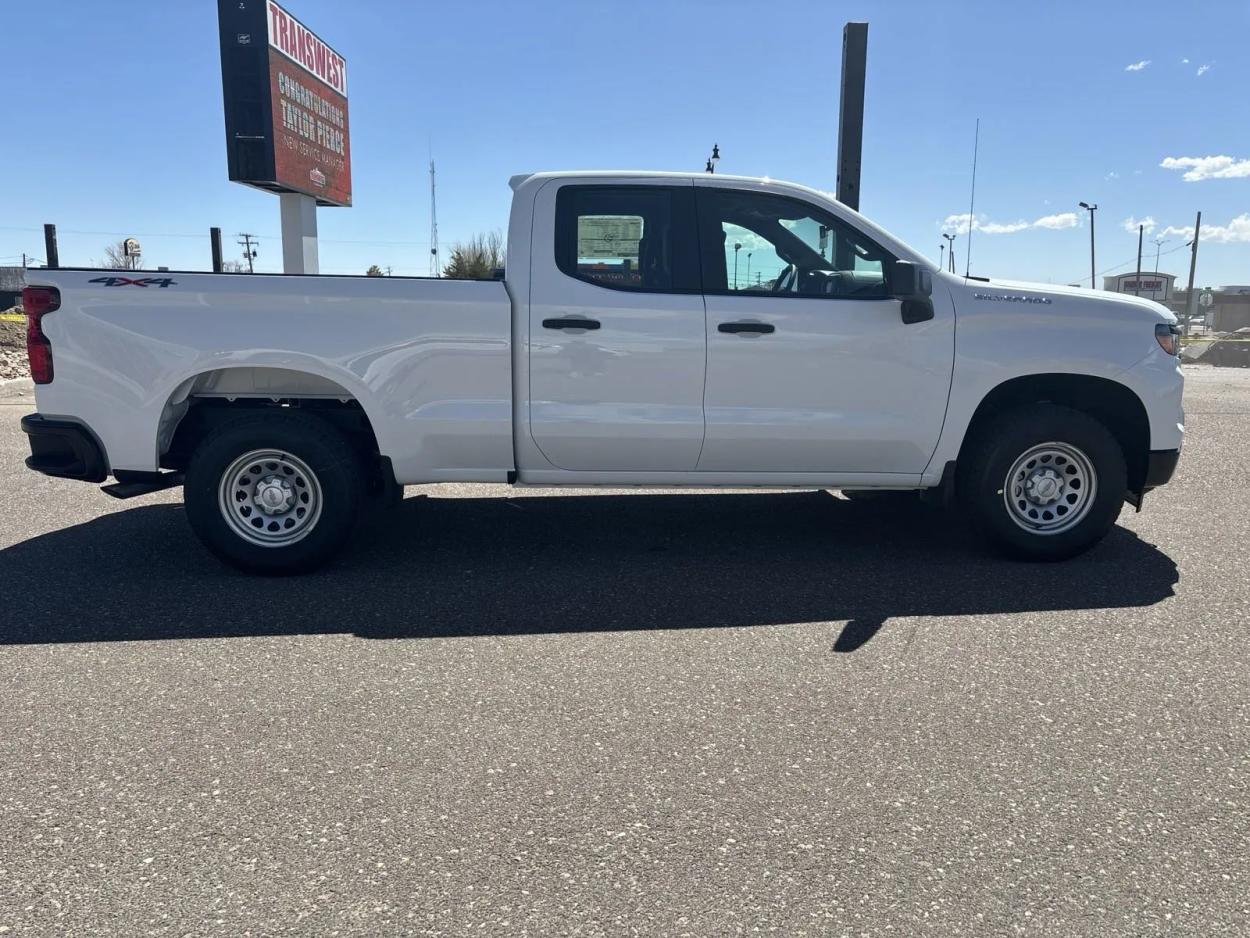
(308, 95)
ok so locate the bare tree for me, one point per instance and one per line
(374, 271)
(479, 258)
(233, 267)
(115, 258)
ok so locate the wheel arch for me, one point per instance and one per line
(203, 400)
(1114, 405)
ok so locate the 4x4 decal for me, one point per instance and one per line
(161, 282)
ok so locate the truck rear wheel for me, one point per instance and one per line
(274, 493)
(1043, 482)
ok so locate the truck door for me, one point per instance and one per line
(810, 366)
(617, 338)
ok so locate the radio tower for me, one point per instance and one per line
(436, 267)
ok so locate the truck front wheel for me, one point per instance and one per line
(1043, 482)
(274, 493)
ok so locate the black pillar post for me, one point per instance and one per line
(214, 236)
(851, 112)
(50, 254)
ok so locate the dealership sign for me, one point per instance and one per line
(285, 95)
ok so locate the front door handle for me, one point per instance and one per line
(570, 323)
(747, 328)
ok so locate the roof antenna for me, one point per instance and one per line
(972, 200)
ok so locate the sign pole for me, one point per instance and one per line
(299, 233)
(214, 240)
(51, 256)
(851, 112)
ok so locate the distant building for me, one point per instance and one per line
(1157, 287)
(1229, 309)
(11, 283)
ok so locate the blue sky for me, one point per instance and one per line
(118, 129)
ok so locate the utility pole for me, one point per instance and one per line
(249, 252)
(1193, 263)
(1091, 208)
(1141, 233)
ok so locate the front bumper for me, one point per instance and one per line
(1160, 465)
(64, 448)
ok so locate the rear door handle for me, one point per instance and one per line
(570, 323)
(747, 328)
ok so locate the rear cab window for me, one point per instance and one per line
(628, 237)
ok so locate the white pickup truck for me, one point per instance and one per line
(653, 329)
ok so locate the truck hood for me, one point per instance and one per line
(1067, 299)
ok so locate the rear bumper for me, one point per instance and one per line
(64, 448)
(1160, 465)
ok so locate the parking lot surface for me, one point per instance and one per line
(529, 712)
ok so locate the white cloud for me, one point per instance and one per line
(1198, 168)
(1137, 66)
(1237, 230)
(1184, 61)
(1203, 69)
(959, 223)
(1057, 222)
(1112, 175)
(1131, 223)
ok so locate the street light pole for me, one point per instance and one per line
(942, 256)
(737, 248)
(950, 241)
(749, 269)
(713, 159)
(1091, 208)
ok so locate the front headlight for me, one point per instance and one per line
(1169, 337)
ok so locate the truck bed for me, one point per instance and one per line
(428, 360)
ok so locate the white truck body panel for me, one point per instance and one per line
(460, 381)
(428, 360)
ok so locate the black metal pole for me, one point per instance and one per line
(214, 236)
(50, 255)
(851, 112)
(1092, 275)
(1141, 233)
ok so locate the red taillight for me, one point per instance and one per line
(38, 302)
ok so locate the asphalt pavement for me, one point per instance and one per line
(605, 713)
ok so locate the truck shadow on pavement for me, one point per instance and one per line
(540, 564)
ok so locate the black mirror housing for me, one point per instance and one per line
(909, 280)
(913, 284)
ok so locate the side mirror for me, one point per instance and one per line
(913, 284)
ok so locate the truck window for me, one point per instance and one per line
(754, 242)
(628, 237)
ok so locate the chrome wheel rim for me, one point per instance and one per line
(1050, 488)
(270, 498)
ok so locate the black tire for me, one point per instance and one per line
(334, 491)
(1086, 449)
